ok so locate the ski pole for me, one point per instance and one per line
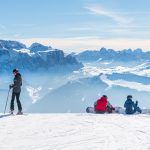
(6, 101)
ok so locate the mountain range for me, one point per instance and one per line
(91, 74)
(41, 57)
(112, 55)
(14, 54)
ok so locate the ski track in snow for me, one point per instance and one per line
(75, 132)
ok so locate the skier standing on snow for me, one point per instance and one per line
(16, 86)
(130, 106)
(102, 105)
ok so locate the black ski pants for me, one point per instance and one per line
(17, 95)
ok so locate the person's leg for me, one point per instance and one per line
(109, 109)
(136, 108)
(139, 110)
(12, 102)
(18, 102)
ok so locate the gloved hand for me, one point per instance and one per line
(10, 86)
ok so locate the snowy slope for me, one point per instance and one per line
(75, 132)
(74, 96)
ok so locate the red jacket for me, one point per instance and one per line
(101, 104)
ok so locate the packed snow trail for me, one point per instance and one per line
(75, 132)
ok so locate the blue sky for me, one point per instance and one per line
(77, 24)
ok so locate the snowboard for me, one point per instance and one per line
(118, 110)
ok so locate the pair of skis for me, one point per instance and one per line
(11, 113)
(7, 115)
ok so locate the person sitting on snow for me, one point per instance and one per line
(130, 106)
(102, 105)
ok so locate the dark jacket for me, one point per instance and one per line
(17, 83)
(130, 106)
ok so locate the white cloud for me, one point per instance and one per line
(87, 43)
(17, 35)
(81, 29)
(99, 10)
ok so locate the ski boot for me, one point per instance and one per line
(11, 112)
(19, 113)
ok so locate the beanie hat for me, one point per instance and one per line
(15, 70)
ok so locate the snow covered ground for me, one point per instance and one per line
(75, 132)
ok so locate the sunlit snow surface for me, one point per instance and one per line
(75, 132)
(122, 83)
(140, 70)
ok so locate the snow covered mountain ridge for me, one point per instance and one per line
(111, 55)
(14, 54)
